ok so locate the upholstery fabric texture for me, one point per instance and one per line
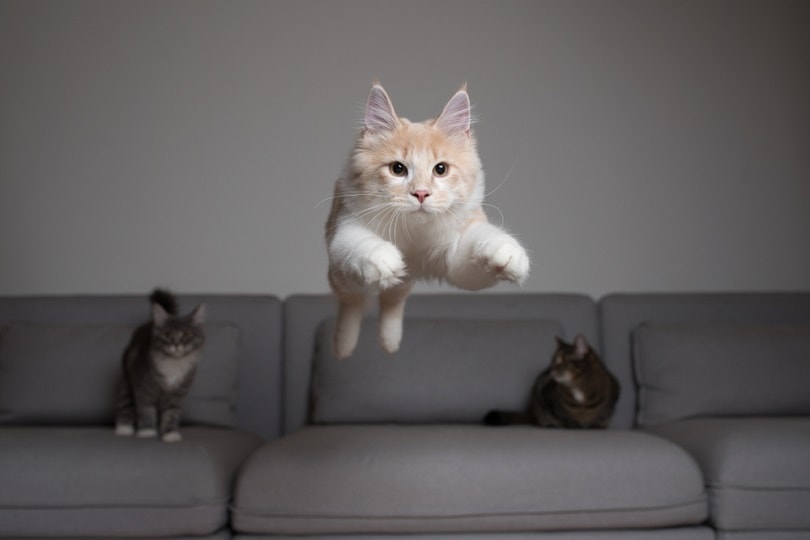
(757, 469)
(445, 371)
(441, 478)
(116, 486)
(68, 374)
(688, 370)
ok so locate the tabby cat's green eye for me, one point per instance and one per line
(398, 168)
(440, 169)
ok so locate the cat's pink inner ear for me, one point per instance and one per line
(380, 115)
(456, 116)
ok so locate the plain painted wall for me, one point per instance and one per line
(632, 145)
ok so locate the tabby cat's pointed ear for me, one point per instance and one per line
(159, 315)
(581, 345)
(380, 115)
(198, 315)
(456, 116)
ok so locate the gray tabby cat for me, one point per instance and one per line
(575, 391)
(158, 368)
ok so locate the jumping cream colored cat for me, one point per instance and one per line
(408, 207)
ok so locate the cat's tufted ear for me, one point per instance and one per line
(198, 315)
(380, 115)
(456, 116)
(581, 345)
(159, 315)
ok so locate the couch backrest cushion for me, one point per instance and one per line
(304, 316)
(621, 314)
(688, 370)
(68, 374)
(447, 370)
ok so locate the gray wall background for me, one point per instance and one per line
(632, 145)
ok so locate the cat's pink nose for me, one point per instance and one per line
(421, 194)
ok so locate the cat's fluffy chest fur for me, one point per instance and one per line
(173, 371)
(409, 207)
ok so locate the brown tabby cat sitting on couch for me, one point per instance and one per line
(575, 391)
(158, 369)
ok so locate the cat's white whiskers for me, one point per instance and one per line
(373, 209)
(349, 195)
(452, 214)
(496, 209)
(378, 212)
(404, 217)
(502, 182)
(385, 223)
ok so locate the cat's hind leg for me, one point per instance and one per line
(147, 421)
(392, 310)
(170, 425)
(349, 319)
(124, 411)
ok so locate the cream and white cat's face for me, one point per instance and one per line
(416, 168)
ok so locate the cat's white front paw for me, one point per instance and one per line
(506, 259)
(124, 430)
(147, 433)
(383, 267)
(172, 436)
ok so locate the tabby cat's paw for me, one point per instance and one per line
(383, 267)
(172, 436)
(124, 430)
(507, 260)
(146, 433)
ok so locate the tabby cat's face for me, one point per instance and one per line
(569, 362)
(177, 337)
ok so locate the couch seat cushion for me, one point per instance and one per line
(441, 478)
(84, 482)
(757, 469)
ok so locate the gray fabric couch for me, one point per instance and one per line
(711, 437)
(63, 471)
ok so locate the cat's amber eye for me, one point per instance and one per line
(441, 169)
(398, 169)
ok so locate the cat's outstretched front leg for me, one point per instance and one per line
(392, 312)
(360, 261)
(485, 255)
(359, 258)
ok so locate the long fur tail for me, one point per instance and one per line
(164, 299)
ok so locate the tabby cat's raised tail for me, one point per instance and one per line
(166, 300)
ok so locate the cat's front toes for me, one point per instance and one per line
(508, 261)
(147, 433)
(384, 267)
